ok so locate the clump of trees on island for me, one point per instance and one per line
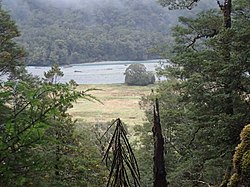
(137, 74)
(203, 108)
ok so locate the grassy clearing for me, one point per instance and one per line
(119, 101)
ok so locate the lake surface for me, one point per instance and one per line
(108, 72)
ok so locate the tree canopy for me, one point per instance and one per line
(108, 31)
(205, 100)
(203, 109)
(11, 54)
(88, 31)
(39, 144)
(137, 74)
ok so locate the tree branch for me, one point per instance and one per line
(220, 5)
(189, 7)
(194, 135)
(199, 36)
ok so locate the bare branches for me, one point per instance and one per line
(190, 6)
(206, 35)
(123, 159)
(220, 5)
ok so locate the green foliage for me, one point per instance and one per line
(178, 4)
(11, 54)
(96, 33)
(38, 140)
(136, 74)
(144, 148)
(205, 101)
(39, 144)
(53, 74)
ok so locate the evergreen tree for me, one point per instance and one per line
(211, 75)
(11, 54)
(39, 145)
(136, 74)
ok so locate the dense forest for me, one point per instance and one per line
(205, 102)
(197, 131)
(54, 32)
(107, 31)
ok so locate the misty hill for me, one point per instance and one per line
(78, 31)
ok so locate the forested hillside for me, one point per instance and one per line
(98, 31)
(67, 32)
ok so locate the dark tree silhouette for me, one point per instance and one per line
(159, 162)
(124, 170)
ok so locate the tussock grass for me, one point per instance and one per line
(119, 101)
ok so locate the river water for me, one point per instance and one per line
(108, 72)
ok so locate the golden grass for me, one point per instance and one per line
(119, 101)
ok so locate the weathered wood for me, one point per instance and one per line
(159, 162)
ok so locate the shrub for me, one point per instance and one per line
(137, 74)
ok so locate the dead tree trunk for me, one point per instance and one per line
(159, 162)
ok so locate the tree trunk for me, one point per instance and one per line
(227, 9)
(159, 163)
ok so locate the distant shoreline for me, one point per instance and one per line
(107, 72)
(125, 62)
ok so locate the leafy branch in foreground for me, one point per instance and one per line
(124, 165)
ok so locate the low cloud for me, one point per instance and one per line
(78, 4)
